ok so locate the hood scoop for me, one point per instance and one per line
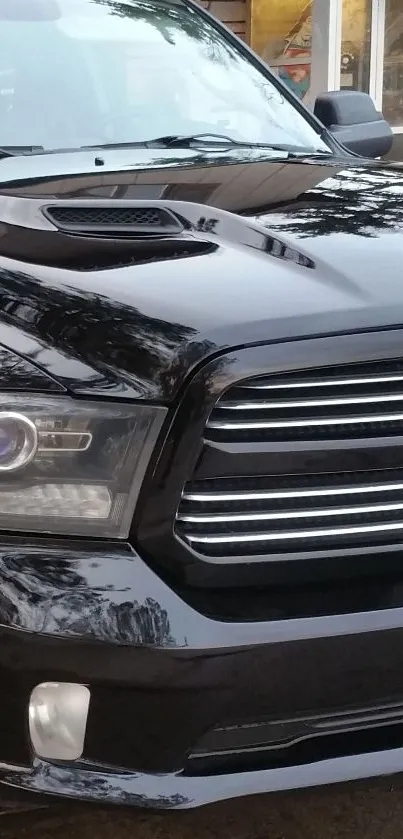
(99, 219)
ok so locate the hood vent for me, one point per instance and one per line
(98, 219)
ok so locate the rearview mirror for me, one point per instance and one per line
(352, 118)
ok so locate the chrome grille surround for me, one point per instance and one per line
(257, 579)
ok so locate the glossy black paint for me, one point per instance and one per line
(18, 374)
(275, 263)
(176, 791)
(134, 319)
(161, 673)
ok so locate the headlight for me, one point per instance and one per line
(73, 467)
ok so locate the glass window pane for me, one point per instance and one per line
(393, 66)
(131, 71)
(356, 45)
(281, 32)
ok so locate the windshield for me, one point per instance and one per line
(92, 72)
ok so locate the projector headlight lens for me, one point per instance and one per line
(18, 441)
(73, 467)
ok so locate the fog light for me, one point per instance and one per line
(57, 720)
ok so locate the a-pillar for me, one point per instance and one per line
(326, 47)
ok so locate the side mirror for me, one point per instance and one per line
(353, 120)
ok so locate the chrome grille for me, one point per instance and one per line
(275, 515)
(350, 401)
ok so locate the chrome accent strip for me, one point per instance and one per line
(323, 383)
(308, 403)
(222, 425)
(288, 514)
(289, 536)
(272, 735)
(299, 493)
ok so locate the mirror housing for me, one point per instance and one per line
(352, 118)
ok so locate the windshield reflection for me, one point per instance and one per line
(119, 72)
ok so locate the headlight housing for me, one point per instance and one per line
(72, 467)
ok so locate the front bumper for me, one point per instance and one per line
(162, 675)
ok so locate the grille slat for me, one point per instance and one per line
(308, 403)
(249, 495)
(200, 518)
(324, 383)
(213, 518)
(336, 403)
(235, 538)
(224, 425)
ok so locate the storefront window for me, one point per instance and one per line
(356, 45)
(281, 32)
(393, 65)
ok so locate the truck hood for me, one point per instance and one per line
(266, 250)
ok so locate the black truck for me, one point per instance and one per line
(201, 416)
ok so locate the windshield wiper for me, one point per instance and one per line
(213, 141)
(16, 151)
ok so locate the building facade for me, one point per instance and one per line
(316, 45)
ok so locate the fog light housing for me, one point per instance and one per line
(58, 714)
